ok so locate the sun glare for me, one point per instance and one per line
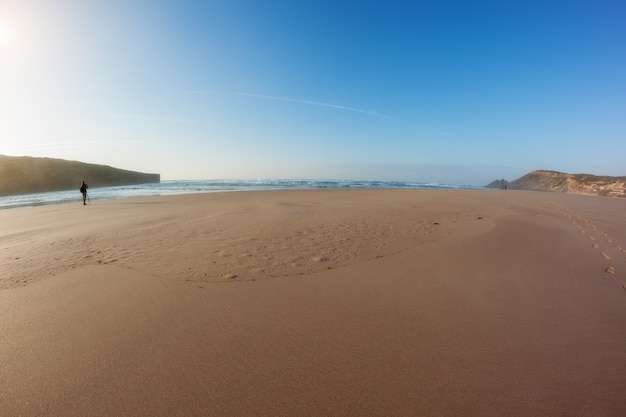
(6, 33)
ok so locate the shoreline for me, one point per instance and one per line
(185, 187)
(316, 302)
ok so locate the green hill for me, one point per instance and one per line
(25, 175)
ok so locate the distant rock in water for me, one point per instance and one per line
(25, 175)
(568, 183)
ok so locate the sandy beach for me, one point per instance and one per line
(316, 303)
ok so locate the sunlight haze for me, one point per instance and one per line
(453, 92)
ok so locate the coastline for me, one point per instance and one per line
(316, 302)
(180, 187)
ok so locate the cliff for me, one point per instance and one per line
(24, 175)
(568, 183)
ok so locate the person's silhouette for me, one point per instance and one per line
(83, 189)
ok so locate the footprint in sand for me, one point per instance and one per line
(320, 259)
(610, 270)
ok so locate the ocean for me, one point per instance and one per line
(205, 186)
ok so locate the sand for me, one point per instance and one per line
(316, 303)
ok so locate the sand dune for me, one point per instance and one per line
(306, 303)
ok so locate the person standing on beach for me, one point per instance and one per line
(83, 189)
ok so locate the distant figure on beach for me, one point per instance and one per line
(83, 189)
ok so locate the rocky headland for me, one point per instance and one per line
(542, 180)
(25, 175)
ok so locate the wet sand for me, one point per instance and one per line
(316, 303)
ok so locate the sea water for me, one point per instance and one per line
(205, 186)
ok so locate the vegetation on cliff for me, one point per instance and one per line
(24, 175)
(542, 180)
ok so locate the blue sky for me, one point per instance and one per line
(456, 92)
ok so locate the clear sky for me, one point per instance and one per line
(459, 92)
